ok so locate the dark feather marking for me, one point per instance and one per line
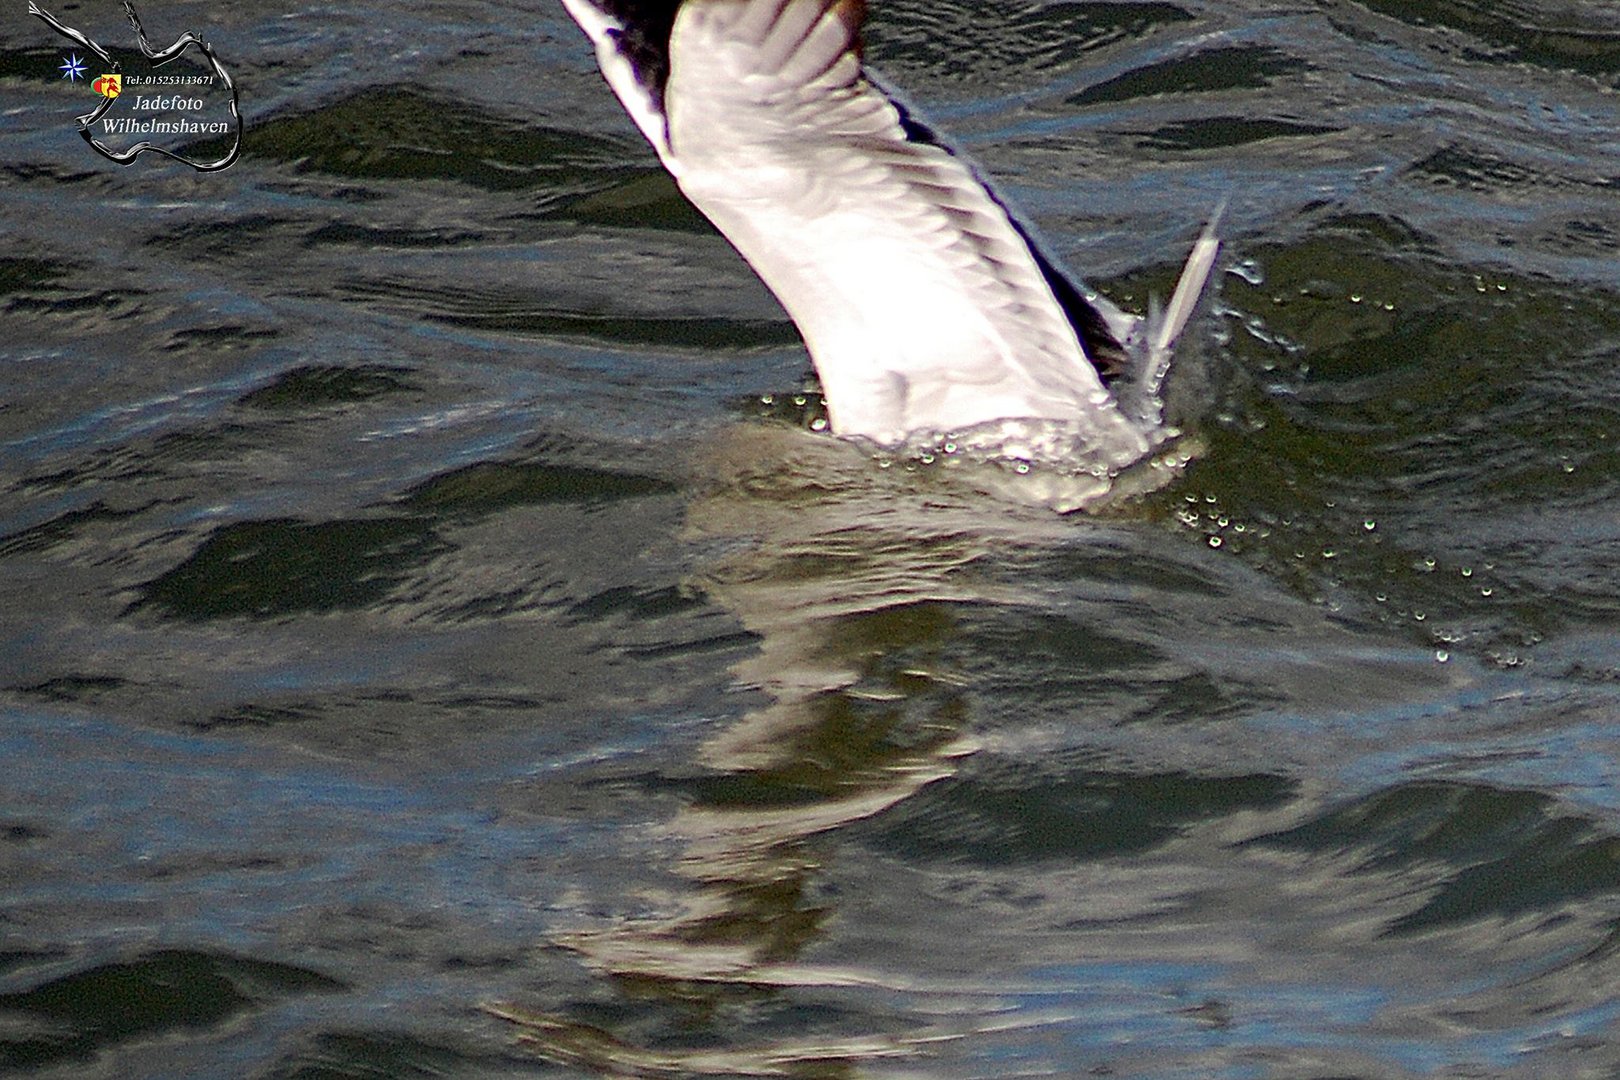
(644, 41)
(1107, 355)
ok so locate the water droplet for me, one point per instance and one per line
(818, 424)
(1355, 298)
(1249, 271)
(1467, 571)
(1214, 541)
(1486, 591)
(1419, 616)
(1022, 468)
(1442, 655)
(1428, 564)
(1329, 553)
(1369, 524)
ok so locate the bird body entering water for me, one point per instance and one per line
(926, 306)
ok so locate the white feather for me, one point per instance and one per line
(922, 305)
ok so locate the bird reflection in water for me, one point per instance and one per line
(852, 580)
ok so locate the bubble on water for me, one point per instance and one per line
(1369, 524)
(1214, 541)
(1442, 655)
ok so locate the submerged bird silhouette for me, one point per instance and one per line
(925, 303)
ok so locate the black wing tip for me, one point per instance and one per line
(643, 39)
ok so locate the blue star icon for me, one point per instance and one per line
(72, 67)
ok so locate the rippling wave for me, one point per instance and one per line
(435, 638)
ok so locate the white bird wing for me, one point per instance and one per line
(924, 308)
(925, 305)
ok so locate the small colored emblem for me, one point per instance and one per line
(72, 67)
(109, 86)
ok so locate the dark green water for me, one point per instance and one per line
(422, 654)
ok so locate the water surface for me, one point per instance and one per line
(423, 651)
